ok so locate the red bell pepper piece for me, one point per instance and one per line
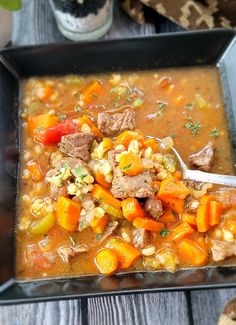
(52, 135)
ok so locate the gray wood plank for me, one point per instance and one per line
(50, 313)
(157, 309)
(207, 305)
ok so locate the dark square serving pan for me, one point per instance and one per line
(217, 48)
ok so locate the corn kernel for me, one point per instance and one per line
(88, 179)
(157, 157)
(162, 175)
(133, 147)
(148, 250)
(72, 189)
(85, 128)
(228, 236)
(148, 153)
(147, 163)
(99, 212)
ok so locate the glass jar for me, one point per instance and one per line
(83, 19)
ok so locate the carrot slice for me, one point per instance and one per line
(174, 204)
(106, 261)
(35, 170)
(202, 219)
(167, 217)
(148, 224)
(85, 120)
(127, 136)
(215, 211)
(182, 230)
(44, 92)
(43, 121)
(130, 164)
(132, 209)
(127, 254)
(92, 92)
(103, 195)
(99, 224)
(189, 218)
(100, 179)
(171, 187)
(152, 143)
(67, 212)
(192, 253)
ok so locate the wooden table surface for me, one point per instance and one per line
(35, 24)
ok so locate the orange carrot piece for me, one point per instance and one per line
(99, 224)
(165, 82)
(92, 92)
(202, 219)
(148, 224)
(192, 253)
(85, 120)
(167, 217)
(178, 175)
(44, 92)
(35, 170)
(152, 143)
(189, 218)
(180, 231)
(67, 212)
(127, 136)
(171, 187)
(132, 209)
(101, 194)
(130, 164)
(106, 261)
(108, 143)
(215, 212)
(174, 204)
(127, 254)
(231, 225)
(42, 121)
(100, 179)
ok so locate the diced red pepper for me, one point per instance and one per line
(52, 135)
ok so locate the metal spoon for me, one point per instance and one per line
(199, 176)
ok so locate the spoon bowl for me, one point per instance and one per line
(199, 176)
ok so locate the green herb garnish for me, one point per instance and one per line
(164, 232)
(127, 167)
(100, 199)
(190, 106)
(214, 133)
(40, 129)
(172, 135)
(155, 190)
(83, 176)
(62, 116)
(99, 236)
(77, 109)
(138, 102)
(72, 240)
(195, 127)
(161, 105)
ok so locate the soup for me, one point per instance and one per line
(96, 196)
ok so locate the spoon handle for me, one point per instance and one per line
(199, 176)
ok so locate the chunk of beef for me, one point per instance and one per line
(77, 145)
(154, 207)
(227, 196)
(109, 230)
(221, 249)
(132, 186)
(66, 252)
(141, 238)
(113, 124)
(203, 159)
